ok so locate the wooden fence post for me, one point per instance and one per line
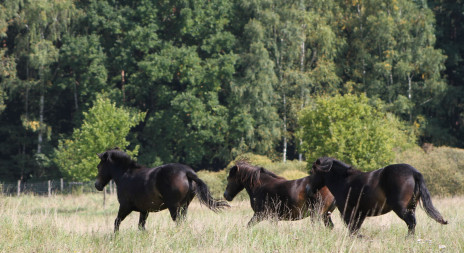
(19, 187)
(61, 185)
(49, 188)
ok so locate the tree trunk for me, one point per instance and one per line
(300, 155)
(285, 131)
(410, 94)
(41, 114)
(26, 119)
(123, 81)
(76, 105)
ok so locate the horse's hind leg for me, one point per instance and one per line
(142, 220)
(185, 205)
(408, 215)
(405, 209)
(175, 212)
(410, 219)
(178, 213)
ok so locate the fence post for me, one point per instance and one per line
(61, 185)
(49, 188)
(19, 187)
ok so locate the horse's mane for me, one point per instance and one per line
(121, 158)
(250, 174)
(350, 170)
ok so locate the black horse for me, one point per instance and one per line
(359, 194)
(171, 186)
(272, 196)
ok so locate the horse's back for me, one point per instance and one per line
(401, 169)
(397, 175)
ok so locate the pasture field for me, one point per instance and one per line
(66, 223)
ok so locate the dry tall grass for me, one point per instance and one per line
(82, 224)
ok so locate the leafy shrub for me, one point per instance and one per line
(216, 181)
(105, 126)
(351, 129)
(291, 174)
(280, 167)
(442, 168)
(258, 160)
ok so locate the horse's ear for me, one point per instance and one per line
(103, 156)
(323, 165)
(234, 169)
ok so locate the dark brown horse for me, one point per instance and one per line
(272, 196)
(397, 187)
(145, 190)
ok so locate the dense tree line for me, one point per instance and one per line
(218, 78)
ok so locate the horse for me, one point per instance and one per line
(397, 187)
(272, 196)
(144, 190)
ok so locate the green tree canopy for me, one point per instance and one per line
(349, 128)
(105, 126)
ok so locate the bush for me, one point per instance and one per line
(258, 160)
(280, 167)
(442, 168)
(293, 174)
(216, 181)
(105, 126)
(350, 129)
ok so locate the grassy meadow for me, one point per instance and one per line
(66, 223)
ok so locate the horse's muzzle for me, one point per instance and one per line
(227, 196)
(98, 186)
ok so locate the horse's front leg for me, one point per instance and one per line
(327, 220)
(143, 219)
(354, 220)
(257, 217)
(122, 214)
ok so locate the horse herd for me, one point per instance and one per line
(331, 184)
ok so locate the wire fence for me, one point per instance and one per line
(50, 187)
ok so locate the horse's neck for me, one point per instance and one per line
(253, 183)
(117, 173)
(336, 181)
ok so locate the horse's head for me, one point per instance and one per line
(320, 167)
(104, 175)
(234, 183)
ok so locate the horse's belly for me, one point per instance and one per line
(150, 205)
(377, 209)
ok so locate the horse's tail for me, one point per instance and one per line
(426, 200)
(204, 195)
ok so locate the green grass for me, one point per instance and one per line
(82, 224)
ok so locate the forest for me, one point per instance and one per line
(201, 82)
